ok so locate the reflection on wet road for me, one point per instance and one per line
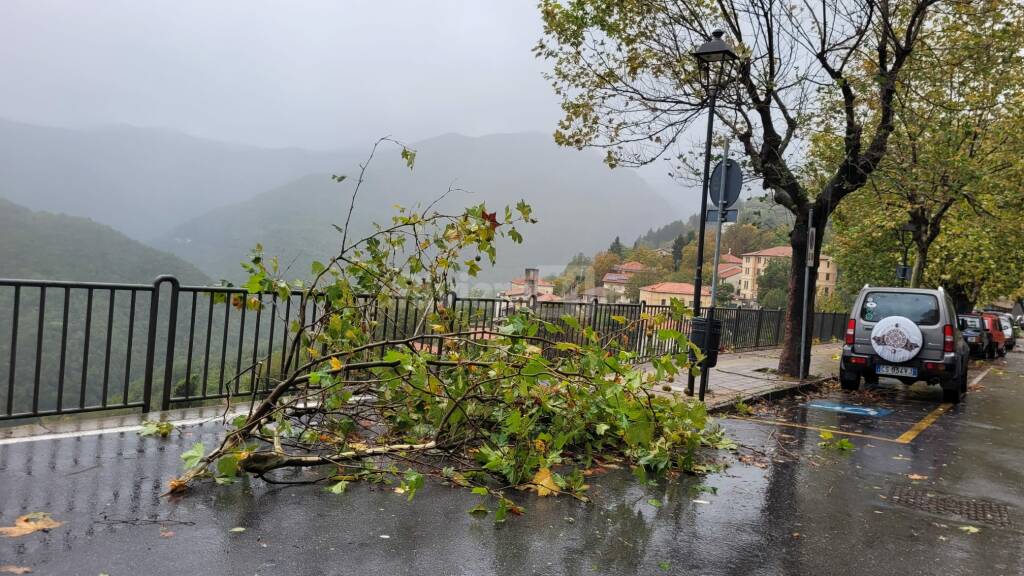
(791, 506)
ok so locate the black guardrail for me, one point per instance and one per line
(73, 347)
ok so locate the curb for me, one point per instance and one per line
(774, 394)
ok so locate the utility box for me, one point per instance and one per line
(699, 332)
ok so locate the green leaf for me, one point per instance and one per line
(227, 466)
(571, 321)
(601, 428)
(409, 156)
(501, 513)
(193, 455)
(338, 488)
(150, 428)
(413, 482)
(654, 502)
(479, 510)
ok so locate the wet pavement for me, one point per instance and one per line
(950, 500)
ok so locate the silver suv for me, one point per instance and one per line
(910, 334)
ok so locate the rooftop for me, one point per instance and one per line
(776, 251)
(522, 282)
(674, 288)
(614, 278)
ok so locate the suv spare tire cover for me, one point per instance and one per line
(896, 339)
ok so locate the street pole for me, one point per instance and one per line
(718, 230)
(705, 372)
(697, 280)
(808, 262)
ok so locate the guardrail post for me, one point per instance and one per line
(154, 314)
(757, 329)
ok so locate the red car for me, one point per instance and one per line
(997, 343)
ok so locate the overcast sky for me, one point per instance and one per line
(320, 74)
(315, 74)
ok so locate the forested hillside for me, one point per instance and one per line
(61, 247)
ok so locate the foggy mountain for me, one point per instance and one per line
(141, 181)
(578, 201)
(41, 245)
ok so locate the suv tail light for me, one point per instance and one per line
(947, 338)
(851, 329)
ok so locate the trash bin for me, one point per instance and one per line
(697, 335)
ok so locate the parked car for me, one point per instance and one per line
(975, 333)
(1006, 321)
(911, 334)
(997, 345)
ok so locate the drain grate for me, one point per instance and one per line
(947, 505)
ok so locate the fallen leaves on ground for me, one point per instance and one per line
(30, 523)
(916, 477)
(166, 533)
(12, 569)
(752, 460)
(970, 529)
(544, 483)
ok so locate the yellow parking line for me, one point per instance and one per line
(925, 422)
(816, 428)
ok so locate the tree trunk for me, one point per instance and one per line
(920, 261)
(789, 361)
(962, 299)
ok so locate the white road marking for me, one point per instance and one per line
(98, 431)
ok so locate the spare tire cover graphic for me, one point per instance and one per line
(896, 339)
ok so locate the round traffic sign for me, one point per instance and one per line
(733, 183)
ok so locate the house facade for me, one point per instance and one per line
(662, 293)
(755, 263)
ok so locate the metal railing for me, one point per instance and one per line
(73, 347)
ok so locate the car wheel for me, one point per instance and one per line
(951, 395)
(849, 380)
(1001, 351)
(963, 379)
(990, 352)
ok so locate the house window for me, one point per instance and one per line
(826, 276)
(663, 302)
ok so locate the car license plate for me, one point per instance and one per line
(886, 370)
(972, 338)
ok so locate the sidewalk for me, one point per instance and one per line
(746, 375)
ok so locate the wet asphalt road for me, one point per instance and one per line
(790, 507)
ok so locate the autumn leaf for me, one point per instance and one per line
(491, 218)
(916, 477)
(166, 533)
(970, 529)
(12, 569)
(544, 483)
(176, 485)
(30, 523)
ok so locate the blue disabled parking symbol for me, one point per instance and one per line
(848, 409)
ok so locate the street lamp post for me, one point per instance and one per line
(906, 236)
(714, 58)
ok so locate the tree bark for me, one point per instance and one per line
(920, 260)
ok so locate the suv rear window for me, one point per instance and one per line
(922, 309)
(972, 321)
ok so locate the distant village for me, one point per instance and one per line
(738, 277)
